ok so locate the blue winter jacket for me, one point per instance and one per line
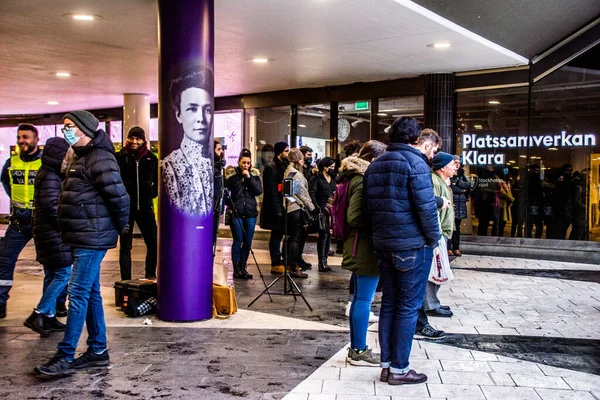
(400, 200)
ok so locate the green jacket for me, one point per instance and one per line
(445, 217)
(364, 261)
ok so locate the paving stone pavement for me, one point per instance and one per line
(531, 334)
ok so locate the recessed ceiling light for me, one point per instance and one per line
(478, 126)
(83, 17)
(439, 45)
(301, 126)
(260, 60)
(63, 74)
(382, 114)
(523, 156)
(52, 103)
(493, 102)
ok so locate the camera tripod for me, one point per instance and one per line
(289, 286)
(224, 197)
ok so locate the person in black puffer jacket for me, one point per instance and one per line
(139, 171)
(54, 256)
(461, 188)
(321, 188)
(244, 183)
(93, 209)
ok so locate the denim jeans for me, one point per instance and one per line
(16, 237)
(55, 283)
(242, 230)
(403, 276)
(85, 303)
(48, 276)
(364, 291)
(275, 247)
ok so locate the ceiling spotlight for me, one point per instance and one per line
(83, 17)
(63, 74)
(523, 156)
(382, 114)
(493, 102)
(260, 60)
(439, 45)
(52, 103)
(301, 126)
(478, 126)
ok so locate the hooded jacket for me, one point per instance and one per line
(243, 191)
(49, 248)
(363, 262)
(93, 207)
(400, 200)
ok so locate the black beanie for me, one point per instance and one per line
(279, 148)
(85, 121)
(137, 132)
(441, 159)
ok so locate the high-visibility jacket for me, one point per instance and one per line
(22, 176)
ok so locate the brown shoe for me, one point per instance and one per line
(408, 378)
(457, 253)
(385, 372)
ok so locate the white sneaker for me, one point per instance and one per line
(348, 308)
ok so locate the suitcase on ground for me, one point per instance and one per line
(134, 289)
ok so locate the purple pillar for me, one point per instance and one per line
(185, 110)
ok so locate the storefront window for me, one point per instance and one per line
(314, 129)
(393, 108)
(535, 177)
(354, 124)
(270, 125)
(228, 131)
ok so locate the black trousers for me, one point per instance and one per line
(455, 242)
(297, 234)
(147, 224)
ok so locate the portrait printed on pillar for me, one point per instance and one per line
(187, 172)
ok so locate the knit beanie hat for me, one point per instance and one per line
(280, 147)
(85, 121)
(441, 159)
(295, 155)
(137, 132)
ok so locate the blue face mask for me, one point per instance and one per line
(71, 135)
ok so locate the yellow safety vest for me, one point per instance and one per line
(22, 175)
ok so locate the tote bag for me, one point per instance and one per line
(440, 272)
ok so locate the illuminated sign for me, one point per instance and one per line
(473, 141)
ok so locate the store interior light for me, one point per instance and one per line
(552, 148)
(494, 102)
(63, 74)
(83, 17)
(523, 156)
(478, 126)
(382, 114)
(301, 126)
(260, 60)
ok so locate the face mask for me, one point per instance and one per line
(71, 136)
(331, 172)
(308, 160)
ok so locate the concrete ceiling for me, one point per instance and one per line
(312, 43)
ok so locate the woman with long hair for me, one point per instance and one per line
(244, 184)
(295, 210)
(358, 254)
(321, 188)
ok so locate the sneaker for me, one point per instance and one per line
(61, 309)
(364, 359)
(277, 269)
(430, 333)
(2, 310)
(373, 318)
(54, 325)
(91, 359)
(348, 308)
(57, 367)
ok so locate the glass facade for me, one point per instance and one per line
(534, 159)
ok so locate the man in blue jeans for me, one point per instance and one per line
(93, 209)
(402, 211)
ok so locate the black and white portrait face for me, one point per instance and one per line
(196, 114)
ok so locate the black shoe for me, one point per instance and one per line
(325, 268)
(245, 272)
(331, 253)
(90, 359)
(2, 310)
(53, 325)
(430, 333)
(440, 312)
(36, 323)
(445, 308)
(57, 367)
(297, 273)
(61, 309)
(237, 271)
(304, 265)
